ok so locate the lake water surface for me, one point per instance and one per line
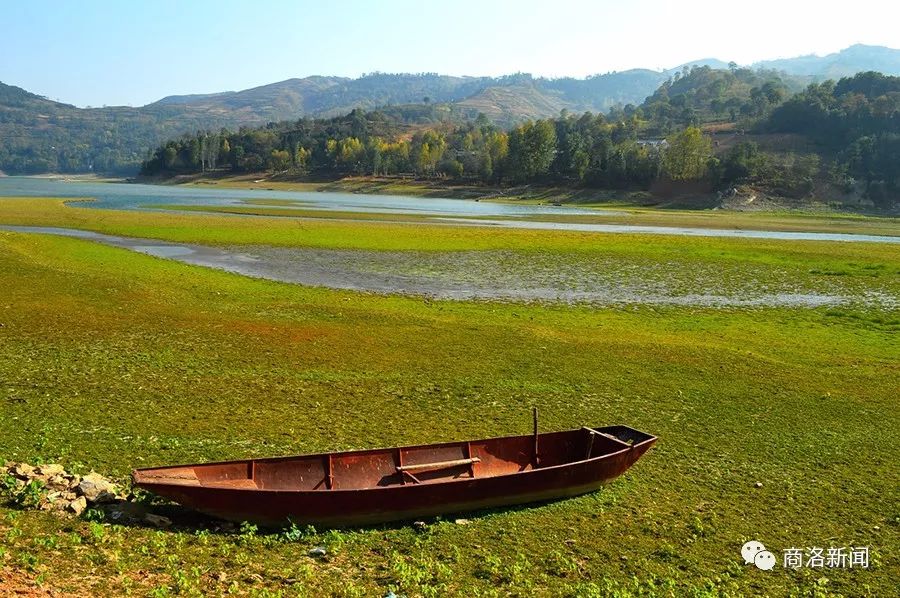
(129, 196)
(133, 196)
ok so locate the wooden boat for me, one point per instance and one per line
(380, 485)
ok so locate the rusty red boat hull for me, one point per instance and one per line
(382, 485)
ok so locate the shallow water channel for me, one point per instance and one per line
(130, 196)
(502, 275)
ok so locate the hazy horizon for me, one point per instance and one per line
(99, 53)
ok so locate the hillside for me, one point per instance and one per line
(704, 94)
(38, 135)
(332, 96)
(836, 142)
(846, 63)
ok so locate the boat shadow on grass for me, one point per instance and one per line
(145, 511)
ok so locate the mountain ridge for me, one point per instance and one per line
(41, 135)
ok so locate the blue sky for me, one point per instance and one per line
(129, 52)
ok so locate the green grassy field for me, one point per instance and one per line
(111, 360)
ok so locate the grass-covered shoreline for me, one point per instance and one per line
(618, 214)
(613, 207)
(111, 360)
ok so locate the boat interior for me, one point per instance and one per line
(401, 466)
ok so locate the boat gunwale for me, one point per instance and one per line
(627, 447)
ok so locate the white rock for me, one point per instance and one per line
(97, 489)
(78, 505)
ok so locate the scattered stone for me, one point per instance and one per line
(157, 520)
(78, 505)
(58, 482)
(23, 471)
(97, 489)
(317, 552)
(462, 522)
(70, 493)
(49, 470)
(758, 484)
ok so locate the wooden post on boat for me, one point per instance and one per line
(535, 458)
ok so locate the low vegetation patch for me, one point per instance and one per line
(111, 360)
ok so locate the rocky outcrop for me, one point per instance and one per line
(51, 488)
(55, 489)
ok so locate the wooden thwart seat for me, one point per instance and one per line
(438, 464)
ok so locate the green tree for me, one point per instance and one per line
(687, 155)
(743, 163)
(301, 159)
(532, 148)
(428, 149)
(279, 160)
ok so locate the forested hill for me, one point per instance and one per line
(708, 95)
(848, 132)
(39, 135)
(506, 99)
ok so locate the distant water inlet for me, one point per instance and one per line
(129, 196)
(508, 275)
(437, 210)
